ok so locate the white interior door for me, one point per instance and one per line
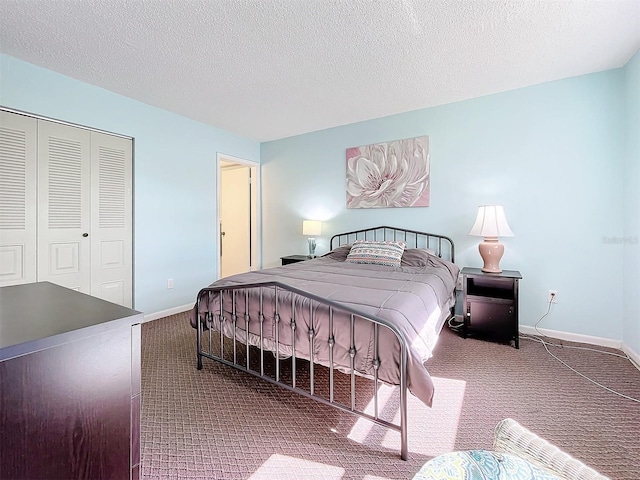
(18, 144)
(64, 205)
(111, 218)
(235, 219)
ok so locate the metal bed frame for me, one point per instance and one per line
(240, 293)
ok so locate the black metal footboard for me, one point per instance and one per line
(237, 315)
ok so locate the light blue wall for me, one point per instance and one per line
(552, 154)
(555, 155)
(174, 180)
(631, 325)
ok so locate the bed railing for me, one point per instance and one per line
(229, 301)
(443, 246)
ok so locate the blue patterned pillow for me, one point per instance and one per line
(376, 253)
(481, 465)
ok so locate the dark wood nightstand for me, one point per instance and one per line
(490, 304)
(295, 259)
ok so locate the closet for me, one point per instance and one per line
(65, 207)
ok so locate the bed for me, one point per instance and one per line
(352, 314)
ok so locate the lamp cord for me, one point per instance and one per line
(547, 344)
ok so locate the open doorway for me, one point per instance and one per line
(238, 187)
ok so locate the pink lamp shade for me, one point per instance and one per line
(491, 223)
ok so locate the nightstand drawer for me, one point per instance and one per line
(494, 319)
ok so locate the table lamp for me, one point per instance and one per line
(311, 228)
(491, 223)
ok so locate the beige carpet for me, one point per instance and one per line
(219, 423)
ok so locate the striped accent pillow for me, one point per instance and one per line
(376, 253)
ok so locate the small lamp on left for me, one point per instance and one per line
(311, 228)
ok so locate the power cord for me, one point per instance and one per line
(547, 344)
(454, 324)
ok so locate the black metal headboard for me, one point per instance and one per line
(443, 246)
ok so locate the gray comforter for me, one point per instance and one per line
(414, 298)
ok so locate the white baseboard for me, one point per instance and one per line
(165, 313)
(635, 358)
(573, 337)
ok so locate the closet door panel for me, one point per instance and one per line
(18, 143)
(64, 205)
(111, 218)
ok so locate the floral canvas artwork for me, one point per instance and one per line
(392, 174)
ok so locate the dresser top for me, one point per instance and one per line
(40, 315)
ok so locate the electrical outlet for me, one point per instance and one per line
(552, 296)
(459, 283)
(170, 284)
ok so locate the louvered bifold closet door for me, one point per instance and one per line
(18, 143)
(64, 205)
(111, 218)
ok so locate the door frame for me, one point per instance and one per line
(256, 236)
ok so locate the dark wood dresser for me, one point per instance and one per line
(69, 385)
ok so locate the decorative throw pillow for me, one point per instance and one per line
(481, 465)
(376, 253)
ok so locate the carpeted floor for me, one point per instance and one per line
(219, 423)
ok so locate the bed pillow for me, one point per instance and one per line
(416, 257)
(339, 253)
(376, 253)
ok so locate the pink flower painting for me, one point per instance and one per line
(392, 174)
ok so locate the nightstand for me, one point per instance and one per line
(295, 259)
(490, 304)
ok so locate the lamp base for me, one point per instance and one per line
(312, 247)
(491, 251)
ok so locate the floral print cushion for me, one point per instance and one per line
(481, 465)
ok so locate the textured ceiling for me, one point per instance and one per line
(268, 69)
